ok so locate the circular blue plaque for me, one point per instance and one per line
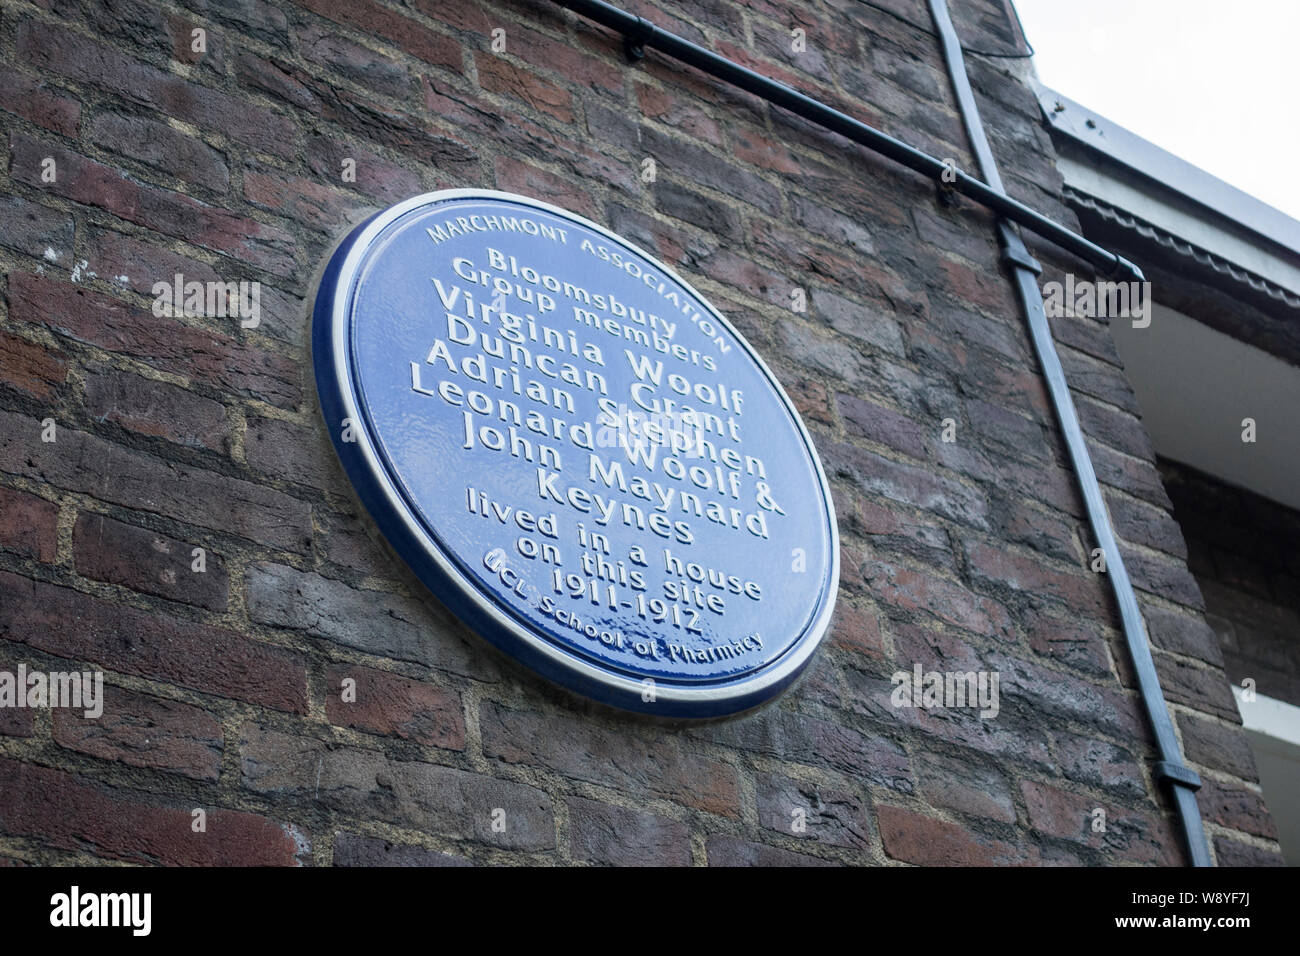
(576, 453)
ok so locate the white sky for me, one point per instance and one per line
(1214, 83)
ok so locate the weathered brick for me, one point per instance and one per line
(1235, 807)
(966, 784)
(655, 761)
(375, 176)
(163, 342)
(59, 50)
(144, 731)
(914, 485)
(1080, 590)
(724, 850)
(1100, 764)
(82, 462)
(375, 622)
(28, 525)
(812, 812)
(1069, 815)
(531, 180)
(62, 810)
(109, 550)
(211, 660)
(395, 706)
(498, 75)
(797, 738)
(856, 629)
(1218, 746)
(174, 214)
(916, 838)
(275, 446)
(354, 849)
(323, 46)
(303, 200)
(32, 369)
(35, 100)
(159, 146)
(157, 409)
(372, 19)
(456, 803)
(37, 230)
(615, 836)
(915, 592)
(1230, 852)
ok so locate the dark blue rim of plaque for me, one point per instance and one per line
(396, 520)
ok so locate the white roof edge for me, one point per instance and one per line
(1121, 146)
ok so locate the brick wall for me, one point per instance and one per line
(179, 433)
(1245, 553)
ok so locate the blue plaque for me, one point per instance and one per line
(576, 453)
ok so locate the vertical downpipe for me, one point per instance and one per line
(1183, 782)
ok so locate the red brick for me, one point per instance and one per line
(611, 757)
(133, 263)
(59, 50)
(321, 45)
(498, 75)
(878, 423)
(144, 731)
(1129, 834)
(576, 64)
(1082, 590)
(37, 230)
(65, 811)
(395, 706)
(28, 525)
(157, 409)
(376, 177)
(82, 462)
(15, 721)
(211, 660)
(912, 591)
(86, 181)
(1230, 852)
(1236, 807)
(31, 368)
(966, 783)
(303, 200)
(109, 550)
(917, 838)
(529, 180)
(375, 122)
(375, 20)
(857, 629)
(37, 101)
(1218, 746)
(677, 113)
(370, 785)
(163, 342)
(163, 148)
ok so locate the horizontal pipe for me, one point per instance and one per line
(640, 32)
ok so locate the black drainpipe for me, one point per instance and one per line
(639, 33)
(1183, 782)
